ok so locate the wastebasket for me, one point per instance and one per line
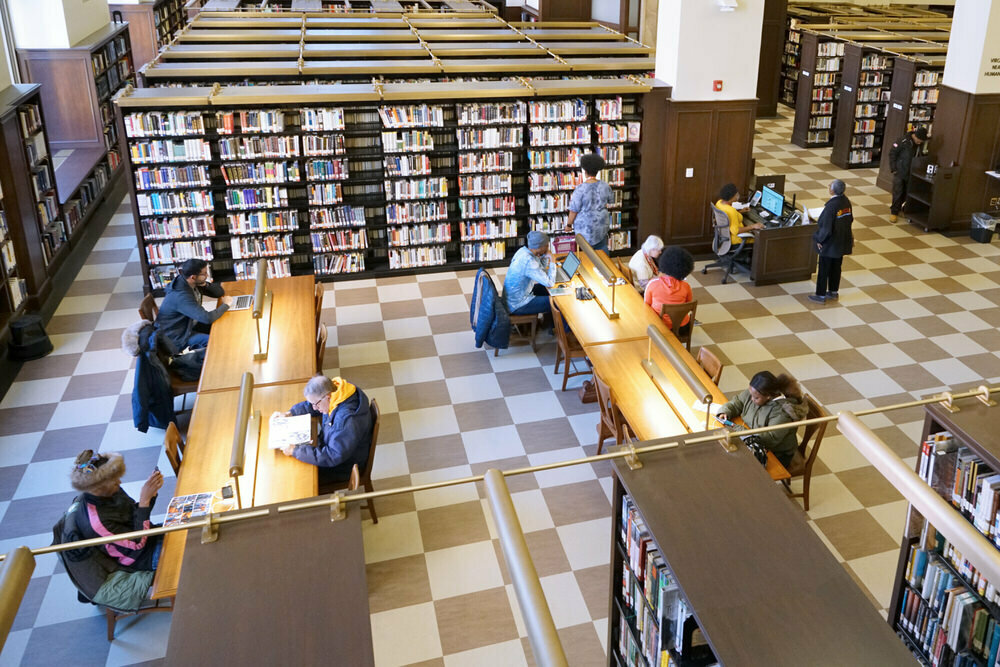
(983, 226)
(28, 339)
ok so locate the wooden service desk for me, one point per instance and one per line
(782, 254)
(589, 323)
(291, 352)
(268, 476)
(648, 412)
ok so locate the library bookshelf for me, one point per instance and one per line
(733, 581)
(368, 180)
(151, 25)
(862, 107)
(820, 65)
(790, 58)
(945, 611)
(369, 7)
(35, 236)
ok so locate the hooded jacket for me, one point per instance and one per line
(488, 313)
(901, 156)
(345, 433)
(181, 310)
(833, 229)
(781, 410)
(152, 397)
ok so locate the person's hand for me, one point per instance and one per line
(723, 416)
(150, 488)
(289, 450)
(758, 225)
(819, 246)
(227, 300)
(286, 413)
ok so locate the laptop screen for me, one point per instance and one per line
(571, 264)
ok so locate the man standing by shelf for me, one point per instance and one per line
(182, 318)
(833, 239)
(900, 161)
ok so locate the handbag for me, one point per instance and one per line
(756, 448)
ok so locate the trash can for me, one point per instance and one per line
(28, 339)
(983, 226)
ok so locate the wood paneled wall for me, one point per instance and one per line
(715, 139)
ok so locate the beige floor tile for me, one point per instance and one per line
(838, 453)
(828, 496)
(406, 635)
(392, 537)
(532, 510)
(503, 654)
(588, 543)
(565, 600)
(877, 572)
(891, 516)
(462, 570)
(448, 495)
(581, 644)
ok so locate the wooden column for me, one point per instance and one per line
(772, 45)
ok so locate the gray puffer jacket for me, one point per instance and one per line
(782, 410)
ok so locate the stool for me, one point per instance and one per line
(516, 320)
(28, 339)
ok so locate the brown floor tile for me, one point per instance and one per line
(119, 230)
(763, 291)
(911, 243)
(921, 350)
(901, 258)
(27, 419)
(94, 384)
(109, 256)
(914, 378)
(572, 405)
(834, 390)
(68, 442)
(368, 377)
(544, 436)
(331, 358)
(788, 345)
(593, 583)
(946, 285)
(991, 316)
(986, 364)
(467, 363)
(869, 486)
(873, 312)
(861, 335)
(444, 451)
(131, 268)
(395, 310)
(898, 441)
(449, 323)
(504, 572)
(366, 332)
(91, 287)
(482, 414)
(328, 316)
(436, 662)
(798, 322)
(893, 275)
(440, 288)
(422, 395)
(547, 552)
(746, 309)
(515, 483)
(104, 339)
(856, 534)
(63, 324)
(478, 619)
(904, 416)
(400, 503)
(847, 361)
(52, 366)
(389, 428)
(938, 305)
(572, 503)
(412, 348)
(524, 381)
(396, 280)
(725, 332)
(452, 525)
(988, 338)
(580, 643)
(123, 408)
(400, 582)
(355, 297)
(124, 301)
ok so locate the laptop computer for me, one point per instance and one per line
(242, 302)
(568, 269)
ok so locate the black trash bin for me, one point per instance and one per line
(983, 225)
(28, 339)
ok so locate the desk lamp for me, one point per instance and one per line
(247, 423)
(694, 383)
(262, 301)
(607, 273)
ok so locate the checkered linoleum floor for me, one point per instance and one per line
(918, 312)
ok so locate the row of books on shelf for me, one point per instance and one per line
(248, 148)
(821, 108)
(262, 246)
(344, 239)
(557, 111)
(620, 240)
(30, 117)
(419, 234)
(924, 78)
(170, 150)
(406, 258)
(48, 209)
(421, 211)
(862, 156)
(492, 114)
(614, 154)
(484, 230)
(820, 94)
(175, 252)
(350, 262)
(869, 110)
(818, 137)
(112, 51)
(873, 94)
(160, 123)
(920, 114)
(53, 237)
(559, 135)
(608, 133)
(828, 64)
(165, 203)
(421, 188)
(18, 290)
(924, 96)
(180, 227)
(487, 162)
(876, 61)
(484, 251)
(863, 141)
(193, 176)
(325, 194)
(113, 78)
(868, 79)
(820, 122)
(492, 137)
(485, 184)
(412, 115)
(946, 608)
(406, 165)
(327, 170)
(87, 194)
(258, 222)
(340, 216)
(251, 120)
(407, 141)
(244, 173)
(277, 267)
(8, 260)
(41, 181)
(826, 78)
(866, 126)
(486, 207)
(247, 198)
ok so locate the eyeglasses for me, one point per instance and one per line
(95, 462)
(319, 400)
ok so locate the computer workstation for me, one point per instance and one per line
(770, 208)
(783, 251)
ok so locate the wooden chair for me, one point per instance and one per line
(567, 347)
(710, 364)
(626, 271)
(355, 480)
(612, 421)
(321, 335)
(366, 475)
(678, 312)
(802, 463)
(173, 443)
(148, 309)
(516, 321)
(319, 302)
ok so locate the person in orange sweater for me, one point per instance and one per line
(669, 286)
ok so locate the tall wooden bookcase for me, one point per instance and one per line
(933, 582)
(862, 107)
(754, 583)
(152, 24)
(820, 65)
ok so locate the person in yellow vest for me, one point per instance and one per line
(727, 199)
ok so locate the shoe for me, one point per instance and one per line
(893, 217)
(817, 298)
(833, 296)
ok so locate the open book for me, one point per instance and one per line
(285, 431)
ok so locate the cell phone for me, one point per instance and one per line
(156, 468)
(724, 422)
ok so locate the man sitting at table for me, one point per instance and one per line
(182, 319)
(345, 431)
(531, 273)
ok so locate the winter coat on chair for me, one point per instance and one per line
(488, 313)
(152, 397)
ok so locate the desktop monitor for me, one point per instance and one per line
(772, 202)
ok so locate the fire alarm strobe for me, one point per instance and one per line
(717, 85)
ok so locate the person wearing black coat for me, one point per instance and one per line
(833, 239)
(900, 161)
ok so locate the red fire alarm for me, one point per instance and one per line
(717, 85)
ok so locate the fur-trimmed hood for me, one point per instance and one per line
(130, 338)
(91, 470)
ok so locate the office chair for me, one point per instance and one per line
(730, 259)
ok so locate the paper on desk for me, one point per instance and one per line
(813, 213)
(560, 291)
(713, 408)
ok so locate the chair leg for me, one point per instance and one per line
(371, 503)
(534, 331)
(805, 492)
(496, 352)
(565, 372)
(112, 619)
(555, 371)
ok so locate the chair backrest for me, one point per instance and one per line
(677, 313)
(148, 309)
(604, 398)
(558, 327)
(626, 270)
(710, 364)
(354, 482)
(319, 302)
(813, 432)
(321, 334)
(722, 242)
(367, 474)
(173, 443)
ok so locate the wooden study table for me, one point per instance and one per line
(291, 352)
(589, 323)
(268, 476)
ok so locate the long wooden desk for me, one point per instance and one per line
(290, 356)
(268, 475)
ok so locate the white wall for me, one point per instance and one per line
(696, 43)
(973, 63)
(56, 23)
(84, 17)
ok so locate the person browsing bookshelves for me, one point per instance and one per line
(588, 206)
(644, 261)
(768, 401)
(669, 287)
(727, 204)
